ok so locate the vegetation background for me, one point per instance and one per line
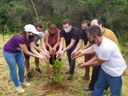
(14, 14)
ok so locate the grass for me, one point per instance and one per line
(39, 82)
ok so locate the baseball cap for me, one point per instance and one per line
(30, 28)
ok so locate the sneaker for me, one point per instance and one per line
(20, 89)
(38, 70)
(26, 84)
(29, 76)
(87, 89)
(70, 76)
(104, 93)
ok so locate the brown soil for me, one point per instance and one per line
(51, 87)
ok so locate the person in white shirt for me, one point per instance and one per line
(111, 60)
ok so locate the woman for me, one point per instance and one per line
(13, 55)
(52, 38)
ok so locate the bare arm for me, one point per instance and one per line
(58, 41)
(46, 39)
(95, 61)
(25, 50)
(70, 45)
(79, 44)
(61, 45)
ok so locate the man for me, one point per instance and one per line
(83, 37)
(109, 57)
(71, 36)
(110, 35)
(40, 37)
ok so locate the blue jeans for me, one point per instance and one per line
(12, 59)
(104, 79)
(71, 62)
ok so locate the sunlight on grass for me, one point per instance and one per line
(70, 88)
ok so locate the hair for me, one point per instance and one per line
(94, 30)
(100, 22)
(66, 21)
(52, 27)
(38, 24)
(23, 32)
(86, 21)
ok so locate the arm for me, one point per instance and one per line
(87, 45)
(58, 41)
(70, 45)
(79, 44)
(61, 45)
(25, 50)
(95, 61)
(34, 48)
(46, 39)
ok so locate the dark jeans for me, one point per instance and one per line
(71, 62)
(94, 77)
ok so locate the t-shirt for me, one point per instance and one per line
(110, 35)
(83, 36)
(39, 36)
(73, 34)
(114, 64)
(13, 44)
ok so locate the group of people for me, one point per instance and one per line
(101, 51)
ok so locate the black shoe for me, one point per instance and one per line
(38, 70)
(87, 89)
(29, 75)
(70, 76)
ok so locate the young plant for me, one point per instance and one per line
(56, 68)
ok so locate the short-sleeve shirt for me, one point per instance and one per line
(108, 50)
(73, 34)
(83, 36)
(38, 37)
(13, 45)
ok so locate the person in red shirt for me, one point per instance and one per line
(52, 38)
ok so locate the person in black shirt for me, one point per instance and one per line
(71, 36)
(83, 37)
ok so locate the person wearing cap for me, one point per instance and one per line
(36, 38)
(52, 39)
(12, 52)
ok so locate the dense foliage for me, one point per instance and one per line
(15, 13)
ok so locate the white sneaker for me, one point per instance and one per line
(26, 84)
(20, 89)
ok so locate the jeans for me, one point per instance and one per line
(104, 79)
(12, 59)
(71, 62)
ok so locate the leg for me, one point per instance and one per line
(11, 61)
(94, 77)
(20, 63)
(87, 69)
(115, 84)
(37, 63)
(100, 84)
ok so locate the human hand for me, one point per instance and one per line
(81, 65)
(73, 54)
(58, 54)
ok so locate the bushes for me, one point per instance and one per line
(112, 12)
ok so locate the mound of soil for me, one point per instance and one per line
(51, 87)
